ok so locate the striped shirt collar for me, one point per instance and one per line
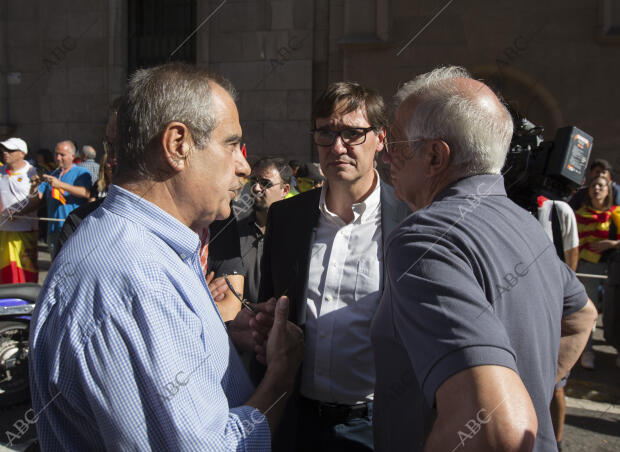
(175, 234)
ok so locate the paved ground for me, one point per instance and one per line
(592, 423)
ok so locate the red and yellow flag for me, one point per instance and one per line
(18, 257)
(58, 194)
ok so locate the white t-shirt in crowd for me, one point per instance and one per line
(14, 190)
(568, 222)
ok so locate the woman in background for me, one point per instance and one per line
(598, 221)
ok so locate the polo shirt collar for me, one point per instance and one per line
(478, 185)
(175, 234)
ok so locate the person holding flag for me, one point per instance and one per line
(65, 189)
(18, 237)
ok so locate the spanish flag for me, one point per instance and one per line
(18, 257)
(58, 194)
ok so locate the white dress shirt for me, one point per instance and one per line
(344, 288)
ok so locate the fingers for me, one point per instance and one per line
(217, 287)
(281, 314)
(267, 307)
(209, 278)
(261, 324)
(261, 354)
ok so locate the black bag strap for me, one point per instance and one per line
(557, 232)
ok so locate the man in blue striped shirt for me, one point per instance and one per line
(128, 351)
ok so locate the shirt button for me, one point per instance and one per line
(183, 256)
(328, 298)
(323, 335)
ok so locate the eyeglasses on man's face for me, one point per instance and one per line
(395, 145)
(351, 136)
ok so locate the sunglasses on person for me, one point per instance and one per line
(261, 181)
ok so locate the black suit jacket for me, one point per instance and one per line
(291, 227)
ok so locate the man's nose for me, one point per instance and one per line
(243, 167)
(338, 146)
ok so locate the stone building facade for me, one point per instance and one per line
(63, 61)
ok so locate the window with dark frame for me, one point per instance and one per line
(156, 28)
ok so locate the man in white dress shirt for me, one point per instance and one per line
(324, 249)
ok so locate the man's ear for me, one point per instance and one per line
(176, 144)
(381, 135)
(438, 157)
(286, 188)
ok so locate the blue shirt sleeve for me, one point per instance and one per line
(439, 312)
(148, 390)
(43, 188)
(84, 180)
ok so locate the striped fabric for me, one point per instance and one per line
(592, 226)
(128, 350)
(204, 249)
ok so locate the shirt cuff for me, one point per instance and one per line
(254, 428)
(465, 358)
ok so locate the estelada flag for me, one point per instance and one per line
(57, 194)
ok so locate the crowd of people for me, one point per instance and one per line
(360, 303)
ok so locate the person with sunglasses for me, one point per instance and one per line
(270, 182)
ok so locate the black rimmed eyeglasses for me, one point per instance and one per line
(351, 135)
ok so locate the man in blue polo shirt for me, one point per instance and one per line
(65, 189)
(467, 334)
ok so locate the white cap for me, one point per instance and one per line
(15, 144)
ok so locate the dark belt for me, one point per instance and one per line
(334, 413)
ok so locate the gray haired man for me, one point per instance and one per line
(88, 155)
(128, 349)
(467, 334)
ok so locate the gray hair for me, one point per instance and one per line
(88, 152)
(156, 97)
(478, 138)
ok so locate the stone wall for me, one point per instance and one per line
(62, 61)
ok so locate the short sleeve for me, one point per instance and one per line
(570, 236)
(32, 171)
(43, 188)
(84, 180)
(575, 297)
(441, 313)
